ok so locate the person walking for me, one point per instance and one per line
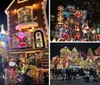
(1, 65)
(27, 78)
(5, 63)
(7, 76)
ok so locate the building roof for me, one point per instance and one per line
(65, 49)
(75, 50)
(97, 51)
(21, 3)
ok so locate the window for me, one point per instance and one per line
(25, 14)
(39, 39)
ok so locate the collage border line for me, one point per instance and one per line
(51, 42)
(49, 25)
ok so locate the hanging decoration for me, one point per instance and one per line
(60, 14)
(21, 40)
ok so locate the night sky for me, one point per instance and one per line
(3, 17)
(56, 47)
(92, 6)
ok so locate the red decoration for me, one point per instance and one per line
(86, 27)
(12, 73)
(77, 28)
(64, 36)
(56, 61)
(65, 26)
(21, 36)
(77, 37)
(78, 14)
(65, 61)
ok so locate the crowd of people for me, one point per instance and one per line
(13, 75)
(86, 74)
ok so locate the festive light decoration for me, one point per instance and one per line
(21, 36)
(15, 10)
(21, 1)
(60, 15)
(74, 57)
(12, 73)
(21, 39)
(86, 13)
(94, 32)
(70, 6)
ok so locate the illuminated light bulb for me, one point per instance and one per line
(77, 29)
(34, 5)
(84, 31)
(93, 31)
(31, 30)
(86, 28)
(15, 10)
(2, 43)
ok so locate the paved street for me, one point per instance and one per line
(73, 82)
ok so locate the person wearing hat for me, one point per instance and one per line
(28, 80)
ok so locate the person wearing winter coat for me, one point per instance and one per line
(28, 80)
(2, 81)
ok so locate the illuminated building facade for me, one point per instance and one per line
(28, 29)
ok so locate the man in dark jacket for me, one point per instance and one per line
(1, 65)
(28, 80)
(2, 81)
